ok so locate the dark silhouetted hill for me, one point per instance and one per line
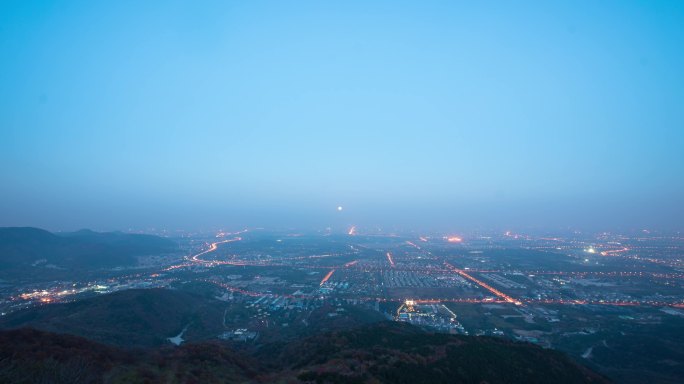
(381, 353)
(30, 356)
(121, 337)
(24, 248)
(391, 352)
(137, 317)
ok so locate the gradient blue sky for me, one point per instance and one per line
(447, 115)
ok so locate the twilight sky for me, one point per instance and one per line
(423, 114)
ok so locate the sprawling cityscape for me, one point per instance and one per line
(580, 293)
(341, 192)
(608, 270)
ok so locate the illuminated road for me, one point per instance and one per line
(327, 277)
(389, 258)
(212, 248)
(601, 302)
(614, 251)
(484, 285)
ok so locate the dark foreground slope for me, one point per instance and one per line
(136, 317)
(384, 353)
(391, 352)
(31, 356)
(121, 337)
(381, 353)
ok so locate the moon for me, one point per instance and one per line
(339, 208)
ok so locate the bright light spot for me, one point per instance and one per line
(339, 208)
(454, 239)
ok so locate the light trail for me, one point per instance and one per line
(224, 234)
(389, 258)
(459, 300)
(657, 275)
(483, 285)
(600, 302)
(327, 277)
(351, 263)
(250, 293)
(352, 231)
(212, 248)
(615, 251)
(238, 290)
(172, 267)
(195, 258)
(413, 245)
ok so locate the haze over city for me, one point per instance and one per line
(399, 192)
(430, 115)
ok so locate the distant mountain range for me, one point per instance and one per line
(134, 323)
(26, 247)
